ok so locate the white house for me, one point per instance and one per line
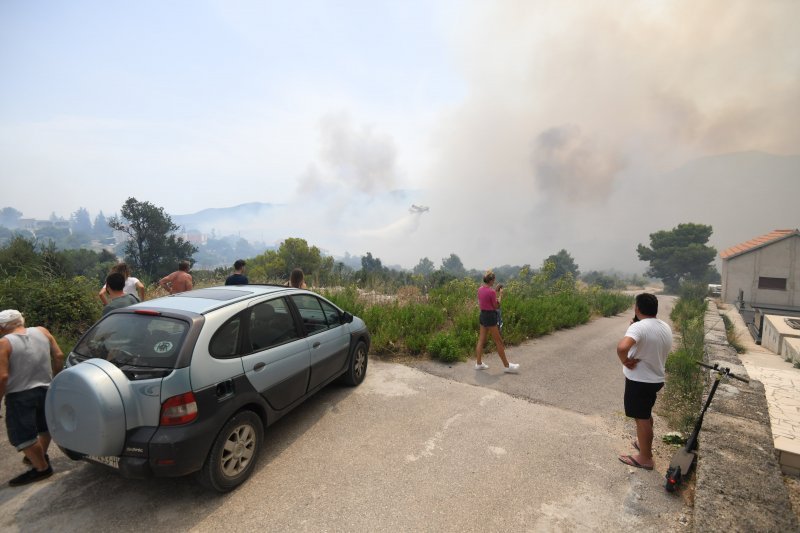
(764, 272)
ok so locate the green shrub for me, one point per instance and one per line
(684, 389)
(446, 325)
(684, 383)
(445, 347)
(402, 329)
(730, 333)
(455, 295)
(67, 307)
(346, 299)
(605, 303)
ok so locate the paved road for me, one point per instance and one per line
(405, 451)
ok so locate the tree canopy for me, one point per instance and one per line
(680, 254)
(292, 253)
(9, 217)
(153, 249)
(563, 264)
(453, 265)
(425, 267)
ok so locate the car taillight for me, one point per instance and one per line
(180, 409)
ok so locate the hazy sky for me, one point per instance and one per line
(526, 126)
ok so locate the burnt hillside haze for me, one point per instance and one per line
(741, 195)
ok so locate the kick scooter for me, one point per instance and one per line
(683, 461)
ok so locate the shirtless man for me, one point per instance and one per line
(178, 281)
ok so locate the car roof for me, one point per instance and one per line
(207, 299)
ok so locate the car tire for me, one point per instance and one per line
(234, 454)
(357, 367)
(75, 456)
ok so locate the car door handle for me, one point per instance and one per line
(316, 344)
(259, 366)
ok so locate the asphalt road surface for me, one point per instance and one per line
(425, 448)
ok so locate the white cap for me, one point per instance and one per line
(9, 315)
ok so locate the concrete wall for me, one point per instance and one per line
(791, 349)
(775, 331)
(739, 485)
(776, 260)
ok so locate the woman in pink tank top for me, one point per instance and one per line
(489, 303)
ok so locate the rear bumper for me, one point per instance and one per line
(172, 451)
(163, 451)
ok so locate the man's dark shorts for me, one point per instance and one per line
(488, 318)
(25, 416)
(640, 398)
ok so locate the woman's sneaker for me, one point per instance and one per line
(512, 368)
(482, 366)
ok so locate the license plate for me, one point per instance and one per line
(108, 460)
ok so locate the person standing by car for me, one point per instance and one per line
(132, 285)
(489, 303)
(29, 357)
(297, 279)
(178, 281)
(643, 353)
(115, 284)
(238, 277)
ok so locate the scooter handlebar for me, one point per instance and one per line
(725, 371)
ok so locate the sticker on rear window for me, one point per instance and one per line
(162, 347)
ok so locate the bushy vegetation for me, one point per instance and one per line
(65, 306)
(427, 313)
(445, 323)
(52, 288)
(684, 385)
(730, 333)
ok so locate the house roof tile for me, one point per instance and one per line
(758, 242)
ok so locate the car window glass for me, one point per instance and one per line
(311, 312)
(271, 323)
(331, 314)
(225, 341)
(135, 340)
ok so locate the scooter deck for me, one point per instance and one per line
(679, 468)
(684, 460)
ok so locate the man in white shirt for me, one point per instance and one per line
(643, 353)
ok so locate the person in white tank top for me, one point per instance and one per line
(132, 285)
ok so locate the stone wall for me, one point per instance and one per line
(739, 485)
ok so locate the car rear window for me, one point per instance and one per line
(136, 340)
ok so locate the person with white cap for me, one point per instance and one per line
(29, 357)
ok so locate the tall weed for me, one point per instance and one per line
(684, 380)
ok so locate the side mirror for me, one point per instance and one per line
(347, 318)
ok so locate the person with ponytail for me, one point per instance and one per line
(489, 303)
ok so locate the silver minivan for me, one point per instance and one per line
(187, 383)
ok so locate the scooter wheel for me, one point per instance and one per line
(673, 479)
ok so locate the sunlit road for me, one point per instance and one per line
(406, 451)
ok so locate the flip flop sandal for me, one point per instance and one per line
(630, 461)
(635, 445)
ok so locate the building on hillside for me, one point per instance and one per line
(763, 271)
(762, 277)
(195, 237)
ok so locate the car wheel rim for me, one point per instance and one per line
(360, 362)
(238, 450)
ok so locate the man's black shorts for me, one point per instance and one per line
(640, 398)
(25, 416)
